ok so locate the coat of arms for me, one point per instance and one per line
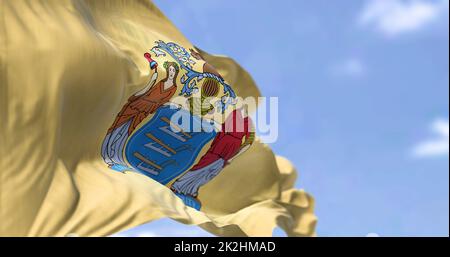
(145, 138)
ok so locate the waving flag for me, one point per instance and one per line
(90, 143)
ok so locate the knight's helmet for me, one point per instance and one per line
(208, 89)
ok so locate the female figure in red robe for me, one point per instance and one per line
(138, 107)
(227, 144)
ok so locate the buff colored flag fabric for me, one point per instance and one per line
(83, 85)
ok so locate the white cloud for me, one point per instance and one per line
(372, 235)
(393, 17)
(119, 235)
(170, 231)
(163, 228)
(148, 234)
(438, 146)
(140, 234)
(352, 67)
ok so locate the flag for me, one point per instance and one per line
(88, 145)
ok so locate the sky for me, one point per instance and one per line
(363, 91)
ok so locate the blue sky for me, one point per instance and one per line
(363, 97)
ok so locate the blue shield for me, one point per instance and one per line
(162, 149)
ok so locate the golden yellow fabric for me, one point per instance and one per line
(66, 68)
